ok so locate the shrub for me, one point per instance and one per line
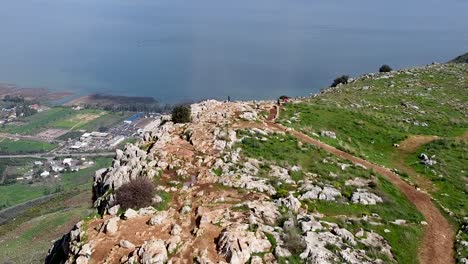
(293, 240)
(181, 114)
(343, 79)
(385, 68)
(135, 194)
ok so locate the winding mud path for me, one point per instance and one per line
(437, 245)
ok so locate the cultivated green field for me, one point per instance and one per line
(64, 118)
(8, 146)
(13, 194)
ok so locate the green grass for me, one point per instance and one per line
(8, 146)
(449, 175)
(450, 178)
(369, 121)
(21, 192)
(83, 178)
(286, 151)
(131, 140)
(64, 118)
(107, 120)
(39, 225)
(166, 198)
(18, 193)
(40, 121)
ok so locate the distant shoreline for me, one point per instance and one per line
(39, 94)
(107, 99)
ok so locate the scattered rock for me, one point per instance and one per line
(112, 226)
(130, 213)
(126, 244)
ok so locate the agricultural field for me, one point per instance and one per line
(64, 118)
(16, 193)
(324, 169)
(8, 146)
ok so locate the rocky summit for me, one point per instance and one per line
(218, 208)
(253, 182)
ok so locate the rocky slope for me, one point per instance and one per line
(215, 203)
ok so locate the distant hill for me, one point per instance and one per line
(460, 59)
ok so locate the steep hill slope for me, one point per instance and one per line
(239, 193)
(232, 186)
(461, 59)
(387, 118)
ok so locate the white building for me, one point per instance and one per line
(67, 161)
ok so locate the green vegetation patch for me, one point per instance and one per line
(40, 225)
(287, 151)
(17, 193)
(449, 174)
(369, 115)
(8, 146)
(65, 118)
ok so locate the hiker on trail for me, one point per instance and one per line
(229, 99)
(278, 102)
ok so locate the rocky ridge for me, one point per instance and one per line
(221, 209)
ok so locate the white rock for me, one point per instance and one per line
(153, 252)
(365, 197)
(112, 226)
(329, 134)
(126, 244)
(176, 230)
(186, 209)
(130, 213)
(158, 219)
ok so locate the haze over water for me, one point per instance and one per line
(175, 50)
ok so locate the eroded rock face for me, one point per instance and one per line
(313, 192)
(363, 196)
(153, 252)
(237, 244)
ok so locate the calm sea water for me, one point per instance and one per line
(175, 50)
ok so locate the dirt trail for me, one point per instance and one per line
(437, 247)
(408, 147)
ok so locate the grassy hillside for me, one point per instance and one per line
(372, 115)
(374, 112)
(461, 59)
(286, 151)
(38, 226)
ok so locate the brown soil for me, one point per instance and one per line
(437, 246)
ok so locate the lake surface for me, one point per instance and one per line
(176, 50)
